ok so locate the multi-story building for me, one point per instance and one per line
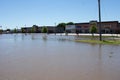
(106, 27)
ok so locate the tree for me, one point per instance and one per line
(22, 30)
(1, 31)
(62, 25)
(34, 26)
(93, 29)
(8, 30)
(15, 30)
(70, 23)
(44, 30)
(32, 30)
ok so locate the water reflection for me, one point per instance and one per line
(32, 36)
(100, 62)
(44, 37)
(15, 37)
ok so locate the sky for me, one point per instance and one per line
(21, 13)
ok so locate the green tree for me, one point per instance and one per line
(34, 26)
(1, 31)
(32, 30)
(70, 23)
(15, 30)
(22, 30)
(93, 29)
(44, 30)
(62, 25)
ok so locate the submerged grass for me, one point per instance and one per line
(111, 42)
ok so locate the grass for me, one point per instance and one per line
(98, 36)
(111, 42)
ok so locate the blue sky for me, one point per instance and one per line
(48, 12)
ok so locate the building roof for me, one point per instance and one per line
(97, 22)
(109, 22)
(81, 23)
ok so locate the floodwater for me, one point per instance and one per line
(32, 57)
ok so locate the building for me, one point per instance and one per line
(110, 27)
(106, 27)
(70, 28)
(38, 29)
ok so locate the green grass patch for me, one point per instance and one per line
(116, 42)
(88, 36)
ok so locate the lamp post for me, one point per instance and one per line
(99, 8)
(17, 29)
(0, 29)
(55, 29)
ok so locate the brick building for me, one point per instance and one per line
(38, 29)
(106, 27)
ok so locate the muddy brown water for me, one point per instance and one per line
(30, 57)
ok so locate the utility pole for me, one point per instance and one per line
(99, 8)
(55, 29)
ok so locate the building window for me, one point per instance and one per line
(86, 26)
(78, 27)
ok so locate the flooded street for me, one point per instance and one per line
(32, 57)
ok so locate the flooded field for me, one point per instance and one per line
(33, 57)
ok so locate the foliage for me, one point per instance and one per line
(1, 30)
(23, 31)
(93, 29)
(70, 23)
(32, 30)
(8, 30)
(34, 26)
(15, 30)
(62, 25)
(44, 30)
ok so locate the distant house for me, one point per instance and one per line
(106, 27)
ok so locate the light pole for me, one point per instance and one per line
(99, 8)
(0, 29)
(17, 29)
(55, 29)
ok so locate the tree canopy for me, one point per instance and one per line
(1, 31)
(32, 30)
(34, 26)
(70, 23)
(93, 29)
(44, 30)
(62, 25)
(15, 30)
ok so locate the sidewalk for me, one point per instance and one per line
(81, 34)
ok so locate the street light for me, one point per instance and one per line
(100, 34)
(55, 29)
